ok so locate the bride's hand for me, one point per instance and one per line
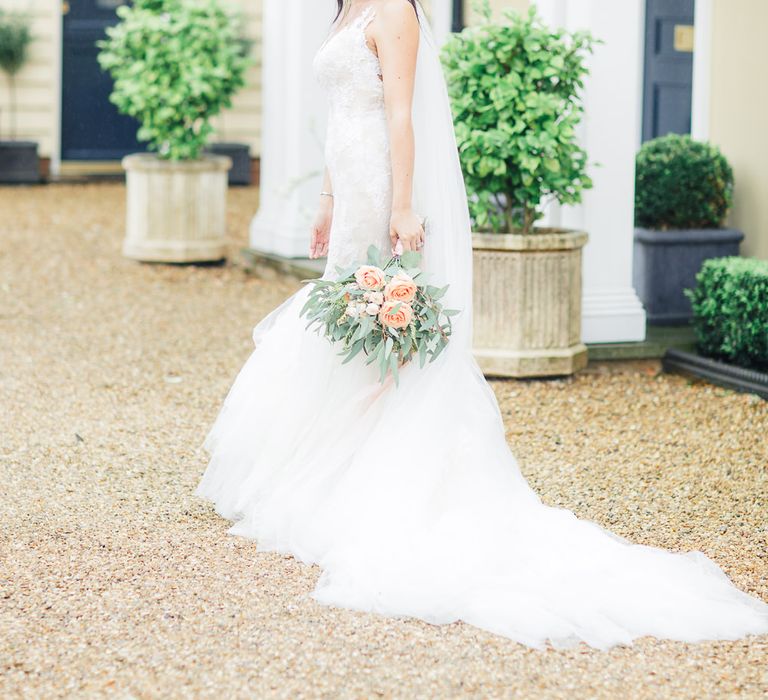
(321, 229)
(405, 226)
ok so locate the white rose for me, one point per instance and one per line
(372, 309)
(377, 298)
(361, 307)
(352, 311)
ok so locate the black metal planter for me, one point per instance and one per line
(240, 154)
(720, 373)
(19, 162)
(666, 262)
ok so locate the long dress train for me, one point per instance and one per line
(409, 498)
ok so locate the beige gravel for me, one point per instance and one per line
(116, 581)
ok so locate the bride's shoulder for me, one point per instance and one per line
(396, 13)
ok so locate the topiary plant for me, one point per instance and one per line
(176, 64)
(681, 184)
(15, 38)
(730, 307)
(514, 89)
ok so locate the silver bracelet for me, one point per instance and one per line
(327, 194)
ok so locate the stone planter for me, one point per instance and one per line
(240, 154)
(176, 210)
(19, 162)
(666, 262)
(527, 303)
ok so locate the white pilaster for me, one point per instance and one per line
(293, 125)
(441, 19)
(610, 133)
(702, 69)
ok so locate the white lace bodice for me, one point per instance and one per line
(357, 143)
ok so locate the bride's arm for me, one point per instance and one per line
(396, 36)
(321, 229)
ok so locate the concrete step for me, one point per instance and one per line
(658, 340)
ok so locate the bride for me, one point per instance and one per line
(408, 497)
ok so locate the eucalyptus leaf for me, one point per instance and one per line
(353, 351)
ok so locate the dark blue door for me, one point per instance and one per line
(457, 23)
(91, 127)
(668, 67)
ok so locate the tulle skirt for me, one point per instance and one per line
(410, 501)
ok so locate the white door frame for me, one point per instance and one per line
(702, 69)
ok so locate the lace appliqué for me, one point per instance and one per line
(357, 143)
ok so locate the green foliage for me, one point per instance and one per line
(514, 90)
(681, 183)
(730, 306)
(176, 64)
(15, 38)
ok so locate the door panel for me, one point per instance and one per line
(91, 127)
(668, 68)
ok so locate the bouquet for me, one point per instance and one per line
(384, 310)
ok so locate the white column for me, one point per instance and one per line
(293, 125)
(610, 133)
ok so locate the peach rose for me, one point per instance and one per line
(370, 277)
(400, 288)
(392, 318)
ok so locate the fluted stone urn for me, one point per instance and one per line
(527, 303)
(176, 210)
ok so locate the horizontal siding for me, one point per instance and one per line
(242, 122)
(37, 82)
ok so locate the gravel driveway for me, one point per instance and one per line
(115, 581)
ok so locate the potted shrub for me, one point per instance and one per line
(19, 162)
(175, 65)
(683, 191)
(730, 318)
(515, 88)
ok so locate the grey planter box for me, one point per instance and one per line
(240, 155)
(19, 162)
(666, 262)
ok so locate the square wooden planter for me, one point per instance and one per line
(527, 303)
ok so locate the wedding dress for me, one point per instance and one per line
(409, 498)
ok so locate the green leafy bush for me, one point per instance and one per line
(176, 64)
(730, 306)
(15, 38)
(514, 89)
(681, 183)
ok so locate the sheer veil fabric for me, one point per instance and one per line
(409, 499)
